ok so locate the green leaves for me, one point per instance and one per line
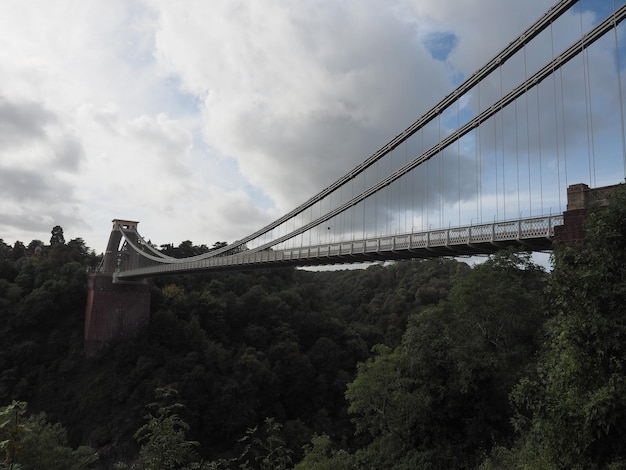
(163, 437)
(265, 449)
(33, 443)
(12, 430)
(321, 455)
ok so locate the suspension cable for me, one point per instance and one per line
(556, 123)
(530, 193)
(585, 66)
(621, 95)
(503, 149)
(540, 148)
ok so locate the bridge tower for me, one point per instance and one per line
(114, 308)
(580, 198)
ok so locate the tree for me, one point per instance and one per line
(12, 431)
(163, 437)
(34, 443)
(45, 446)
(187, 249)
(57, 236)
(320, 455)
(5, 250)
(440, 399)
(572, 411)
(33, 245)
(78, 244)
(265, 448)
(19, 251)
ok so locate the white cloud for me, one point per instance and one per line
(298, 94)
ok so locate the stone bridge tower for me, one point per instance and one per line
(114, 308)
(580, 198)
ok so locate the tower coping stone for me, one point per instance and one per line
(122, 224)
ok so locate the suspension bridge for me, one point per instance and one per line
(505, 159)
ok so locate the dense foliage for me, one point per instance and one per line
(415, 364)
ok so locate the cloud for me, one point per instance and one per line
(206, 121)
(25, 185)
(298, 95)
(39, 157)
(22, 121)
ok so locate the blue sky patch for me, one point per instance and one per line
(440, 44)
(601, 8)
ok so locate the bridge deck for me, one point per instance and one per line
(535, 234)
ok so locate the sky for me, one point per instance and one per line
(205, 121)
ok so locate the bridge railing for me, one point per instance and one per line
(536, 232)
(515, 230)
